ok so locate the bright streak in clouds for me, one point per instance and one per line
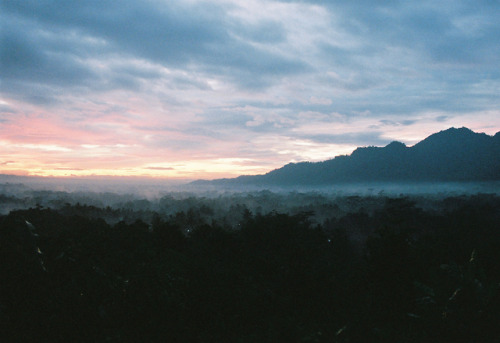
(207, 89)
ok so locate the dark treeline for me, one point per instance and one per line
(389, 270)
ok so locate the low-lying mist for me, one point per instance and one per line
(118, 199)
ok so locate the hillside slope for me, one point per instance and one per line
(451, 155)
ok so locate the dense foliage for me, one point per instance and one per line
(396, 273)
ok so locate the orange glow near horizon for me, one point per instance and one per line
(135, 160)
(28, 165)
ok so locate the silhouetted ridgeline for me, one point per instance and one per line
(453, 155)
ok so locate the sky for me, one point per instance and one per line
(207, 89)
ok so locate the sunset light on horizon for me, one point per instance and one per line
(214, 89)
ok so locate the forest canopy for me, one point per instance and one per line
(263, 267)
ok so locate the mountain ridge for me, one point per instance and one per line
(455, 154)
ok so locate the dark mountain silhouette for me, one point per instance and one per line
(447, 156)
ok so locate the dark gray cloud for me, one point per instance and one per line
(397, 123)
(263, 32)
(373, 138)
(51, 43)
(224, 117)
(442, 118)
(47, 40)
(25, 56)
(7, 110)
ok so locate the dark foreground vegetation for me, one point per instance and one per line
(398, 272)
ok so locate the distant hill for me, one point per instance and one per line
(452, 155)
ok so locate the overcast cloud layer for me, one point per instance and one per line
(221, 88)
